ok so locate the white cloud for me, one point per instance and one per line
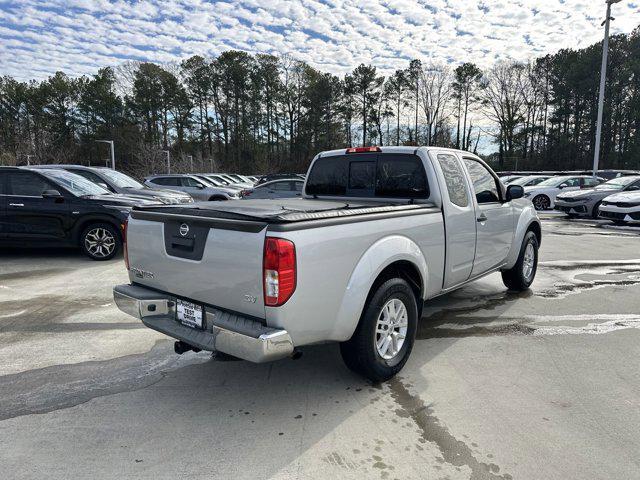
(39, 37)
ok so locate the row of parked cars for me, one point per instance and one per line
(617, 199)
(74, 205)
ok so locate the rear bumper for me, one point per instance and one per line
(235, 335)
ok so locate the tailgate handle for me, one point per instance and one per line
(182, 243)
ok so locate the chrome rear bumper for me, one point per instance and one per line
(235, 335)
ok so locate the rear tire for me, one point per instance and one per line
(100, 241)
(384, 337)
(521, 276)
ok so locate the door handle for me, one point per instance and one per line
(482, 218)
(16, 204)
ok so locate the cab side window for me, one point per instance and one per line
(26, 184)
(454, 178)
(485, 184)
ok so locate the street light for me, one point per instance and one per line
(603, 81)
(168, 161)
(190, 163)
(113, 157)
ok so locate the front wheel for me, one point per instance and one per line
(100, 241)
(541, 202)
(384, 338)
(520, 277)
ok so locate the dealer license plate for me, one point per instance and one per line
(189, 314)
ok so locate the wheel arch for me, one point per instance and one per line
(527, 222)
(84, 222)
(390, 257)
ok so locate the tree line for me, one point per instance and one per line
(263, 113)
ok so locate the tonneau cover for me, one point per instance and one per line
(282, 210)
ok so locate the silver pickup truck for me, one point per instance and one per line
(379, 231)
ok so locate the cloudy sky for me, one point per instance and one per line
(38, 38)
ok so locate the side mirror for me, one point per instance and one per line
(51, 194)
(564, 185)
(514, 192)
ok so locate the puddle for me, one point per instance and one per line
(481, 308)
(454, 452)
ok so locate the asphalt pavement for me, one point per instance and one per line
(539, 385)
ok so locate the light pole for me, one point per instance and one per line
(603, 81)
(113, 156)
(190, 163)
(168, 161)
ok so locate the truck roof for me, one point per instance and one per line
(395, 149)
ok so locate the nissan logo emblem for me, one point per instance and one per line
(184, 229)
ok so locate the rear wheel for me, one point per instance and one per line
(100, 241)
(384, 338)
(541, 202)
(520, 277)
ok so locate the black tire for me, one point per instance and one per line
(102, 235)
(517, 278)
(541, 202)
(217, 199)
(621, 223)
(361, 354)
(595, 213)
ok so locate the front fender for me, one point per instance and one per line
(526, 216)
(379, 256)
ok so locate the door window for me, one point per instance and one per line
(27, 184)
(571, 182)
(484, 184)
(92, 177)
(454, 178)
(298, 186)
(590, 182)
(190, 182)
(281, 186)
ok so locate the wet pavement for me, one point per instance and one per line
(544, 384)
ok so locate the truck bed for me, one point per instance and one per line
(280, 211)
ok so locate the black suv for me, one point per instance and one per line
(51, 207)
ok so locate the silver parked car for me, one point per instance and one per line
(287, 188)
(529, 180)
(199, 188)
(582, 203)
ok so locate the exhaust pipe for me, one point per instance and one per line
(181, 347)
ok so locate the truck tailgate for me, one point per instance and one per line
(213, 261)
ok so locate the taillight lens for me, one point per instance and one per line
(125, 250)
(279, 271)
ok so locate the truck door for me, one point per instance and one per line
(494, 218)
(460, 221)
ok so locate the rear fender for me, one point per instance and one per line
(378, 257)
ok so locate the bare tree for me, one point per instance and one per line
(435, 88)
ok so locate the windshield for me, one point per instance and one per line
(553, 181)
(76, 184)
(617, 183)
(528, 180)
(220, 179)
(119, 179)
(213, 180)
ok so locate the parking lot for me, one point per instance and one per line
(543, 384)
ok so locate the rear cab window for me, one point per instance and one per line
(384, 175)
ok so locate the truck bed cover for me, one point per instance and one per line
(281, 211)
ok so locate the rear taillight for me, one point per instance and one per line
(279, 271)
(245, 193)
(364, 150)
(125, 250)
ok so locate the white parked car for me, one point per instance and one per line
(621, 207)
(544, 194)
